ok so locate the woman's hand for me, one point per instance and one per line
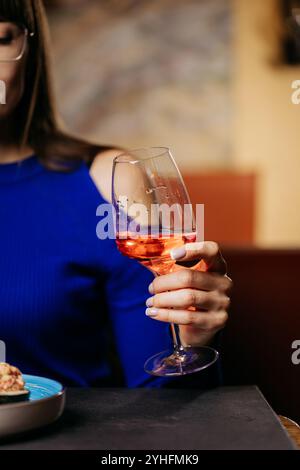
(198, 296)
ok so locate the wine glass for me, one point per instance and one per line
(153, 214)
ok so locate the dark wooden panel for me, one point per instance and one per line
(264, 321)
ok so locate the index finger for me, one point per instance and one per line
(208, 251)
(186, 278)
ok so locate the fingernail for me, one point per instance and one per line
(150, 288)
(149, 302)
(151, 312)
(178, 253)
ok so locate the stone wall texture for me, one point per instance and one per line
(138, 73)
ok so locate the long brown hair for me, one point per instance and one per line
(38, 124)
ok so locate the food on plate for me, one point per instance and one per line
(12, 385)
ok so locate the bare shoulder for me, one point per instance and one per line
(101, 171)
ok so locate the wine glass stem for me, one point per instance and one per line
(178, 348)
(179, 351)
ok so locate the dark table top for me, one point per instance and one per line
(161, 419)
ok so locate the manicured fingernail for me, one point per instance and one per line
(151, 312)
(149, 302)
(150, 288)
(178, 253)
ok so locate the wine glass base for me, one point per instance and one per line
(190, 360)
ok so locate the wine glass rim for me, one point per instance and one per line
(163, 150)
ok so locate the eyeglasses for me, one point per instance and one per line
(13, 40)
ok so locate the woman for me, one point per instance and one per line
(66, 297)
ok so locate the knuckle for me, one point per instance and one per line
(212, 247)
(224, 302)
(227, 302)
(204, 300)
(225, 284)
(194, 318)
(155, 284)
(189, 297)
(215, 298)
(169, 315)
(186, 277)
(156, 300)
(221, 319)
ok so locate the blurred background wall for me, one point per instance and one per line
(267, 123)
(204, 77)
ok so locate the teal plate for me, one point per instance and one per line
(40, 387)
(45, 405)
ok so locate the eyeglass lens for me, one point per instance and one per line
(12, 38)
